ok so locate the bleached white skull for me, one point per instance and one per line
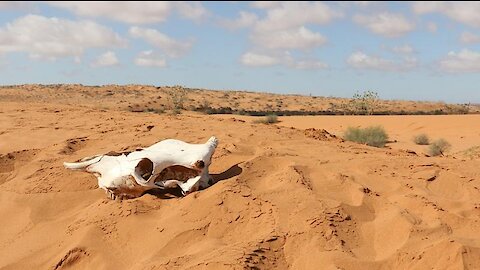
(166, 164)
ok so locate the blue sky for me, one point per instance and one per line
(402, 50)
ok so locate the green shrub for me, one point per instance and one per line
(268, 119)
(372, 136)
(365, 103)
(438, 147)
(421, 139)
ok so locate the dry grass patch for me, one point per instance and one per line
(268, 119)
(421, 139)
(438, 147)
(372, 136)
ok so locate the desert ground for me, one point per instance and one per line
(285, 197)
(459, 130)
(138, 98)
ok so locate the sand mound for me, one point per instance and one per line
(320, 134)
(285, 199)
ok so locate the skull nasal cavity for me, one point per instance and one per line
(144, 168)
(200, 164)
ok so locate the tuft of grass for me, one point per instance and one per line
(176, 111)
(472, 152)
(421, 139)
(438, 147)
(268, 119)
(156, 110)
(372, 136)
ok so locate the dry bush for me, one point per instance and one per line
(365, 103)
(438, 147)
(268, 119)
(176, 97)
(472, 152)
(421, 139)
(372, 136)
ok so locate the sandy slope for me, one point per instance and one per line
(284, 199)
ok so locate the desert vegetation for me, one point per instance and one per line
(472, 152)
(421, 139)
(365, 103)
(268, 119)
(372, 136)
(438, 147)
(176, 97)
(140, 98)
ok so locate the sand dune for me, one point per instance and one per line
(285, 198)
(151, 98)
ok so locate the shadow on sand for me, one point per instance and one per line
(172, 193)
(230, 173)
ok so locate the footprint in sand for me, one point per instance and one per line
(10, 161)
(73, 256)
(73, 145)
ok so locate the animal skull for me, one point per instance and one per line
(166, 164)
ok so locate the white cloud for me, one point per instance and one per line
(107, 59)
(150, 59)
(386, 24)
(138, 12)
(255, 59)
(403, 49)
(360, 60)
(127, 11)
(299, 38)
(52, 38)
(288, 15)
(191, 10)
(421, 7)
(466, 12)
(171, 47)
(281, 29)
(258, 60)
(308, 64)
(469, 38)
(463, 61)
(245, 19)
(284, 28)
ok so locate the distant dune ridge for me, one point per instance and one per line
(140, 98)
(290, 195)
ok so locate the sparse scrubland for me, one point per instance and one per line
(292, 195)
(145, 98)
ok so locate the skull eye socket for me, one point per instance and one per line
(144, 168)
